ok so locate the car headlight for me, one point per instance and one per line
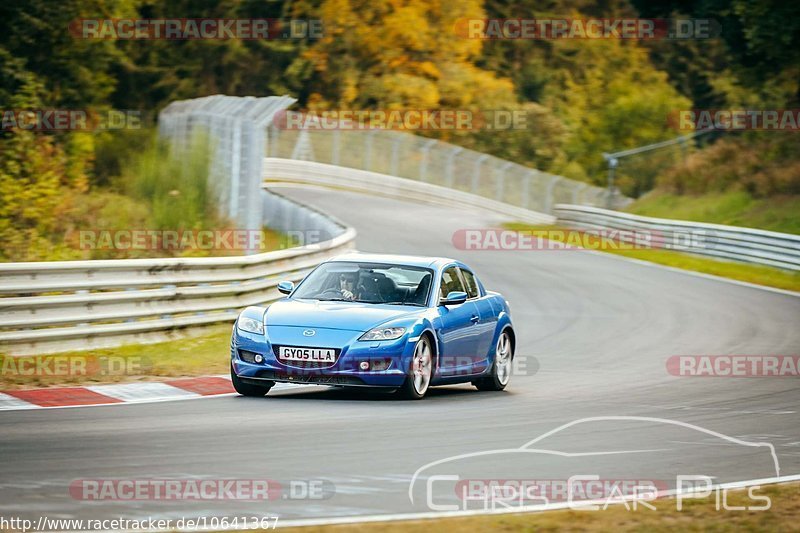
(250, 324)
(382, 334)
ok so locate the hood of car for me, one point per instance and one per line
(351, 316)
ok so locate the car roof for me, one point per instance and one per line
(406, 260)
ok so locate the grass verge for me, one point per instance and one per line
(758, 274)
(734, 208)
(199, 355)
(697, 515)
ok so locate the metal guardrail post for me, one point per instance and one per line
(235, 169)
(548, 195)
(576, 192)
(274, 140)
(368, 149)
(393, 164)
(450, 168)
(335, 146)
(423, 164)
(476, 173)
(612, 167)
(500, 177)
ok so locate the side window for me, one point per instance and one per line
(472, 285)
(451, 282)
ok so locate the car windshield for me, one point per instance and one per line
(367, 283)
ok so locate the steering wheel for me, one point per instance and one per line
(331, 292)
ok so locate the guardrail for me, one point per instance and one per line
(419, 158)
(747, 245)
(277, 170)
(63, 305)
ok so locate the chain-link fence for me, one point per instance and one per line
(240, 131)
(233, 130)
(429, 160)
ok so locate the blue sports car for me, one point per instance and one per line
(364, 320)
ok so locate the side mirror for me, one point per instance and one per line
(285, 287)
(454, 298)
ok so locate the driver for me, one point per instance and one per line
(347, 284)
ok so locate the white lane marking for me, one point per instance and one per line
(737, 412)
(700, 443)
(390, 478)
(362, 489)
(140, 392)
(10, 403)
(764, 411)
(763, 436)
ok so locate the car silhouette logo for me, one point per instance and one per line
(309, 332)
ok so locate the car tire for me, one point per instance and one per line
(246, 389)
(420, 372)
(501, 366)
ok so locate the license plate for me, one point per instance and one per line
(319, 355)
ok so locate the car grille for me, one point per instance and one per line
(316, 379)
(304, 364)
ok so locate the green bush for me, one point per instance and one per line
(175, 188)
(137, 184)
(762, 166)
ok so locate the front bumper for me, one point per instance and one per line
(388, 363)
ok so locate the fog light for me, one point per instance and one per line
(258, 358)
(380, 364)
(364, 365)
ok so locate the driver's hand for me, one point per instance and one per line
(347, 295)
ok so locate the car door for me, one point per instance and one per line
(457, 332)
(487, 323)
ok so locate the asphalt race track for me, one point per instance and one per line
(594, 333)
